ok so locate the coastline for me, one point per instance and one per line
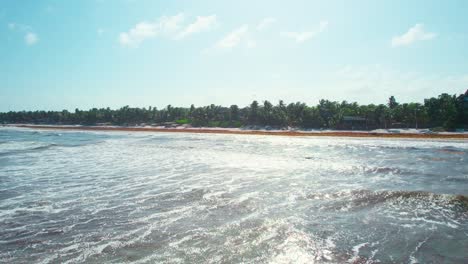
(237, 131)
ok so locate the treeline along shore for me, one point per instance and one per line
(443, 113)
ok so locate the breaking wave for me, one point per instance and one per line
(179, 198)
(363, 198)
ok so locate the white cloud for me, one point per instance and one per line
(242, 36)
(201, 24)
(31, 38)
(301, 37)
(166, 25)
(234, 38)
(265, 23)
(18, 27)
(416, 33)
(170, 25)
(322, 26)
(139, 33)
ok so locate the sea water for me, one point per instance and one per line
(119, 197)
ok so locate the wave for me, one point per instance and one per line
(20, 148)
(452, 150)
(359, 198)
(46, 147)
(374, 146)
(377, 170)
(411, 148)
(460, 179)
(7, 194)
(53, 135)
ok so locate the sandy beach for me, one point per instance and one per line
(239, 131)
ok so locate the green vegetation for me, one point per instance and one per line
(449, 112)
(183, 121)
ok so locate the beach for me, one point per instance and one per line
(381, 133)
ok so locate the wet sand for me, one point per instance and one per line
(235, 131)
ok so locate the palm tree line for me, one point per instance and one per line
(447, 112)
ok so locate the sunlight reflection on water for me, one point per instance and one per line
(158, 197)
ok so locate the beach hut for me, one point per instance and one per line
(354, 123)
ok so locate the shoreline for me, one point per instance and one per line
(236, 131)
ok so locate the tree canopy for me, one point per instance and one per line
(446, 111)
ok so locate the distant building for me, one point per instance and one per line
(104, 124)
(169, 124)
(399, 125)
(354, 123)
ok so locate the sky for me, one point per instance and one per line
(58, 55)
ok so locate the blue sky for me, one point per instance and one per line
(96, 53)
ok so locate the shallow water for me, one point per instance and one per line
(114, 197)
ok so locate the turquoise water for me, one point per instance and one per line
(115, 197)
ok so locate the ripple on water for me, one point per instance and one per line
(176, 198)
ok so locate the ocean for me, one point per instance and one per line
(138, 197)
